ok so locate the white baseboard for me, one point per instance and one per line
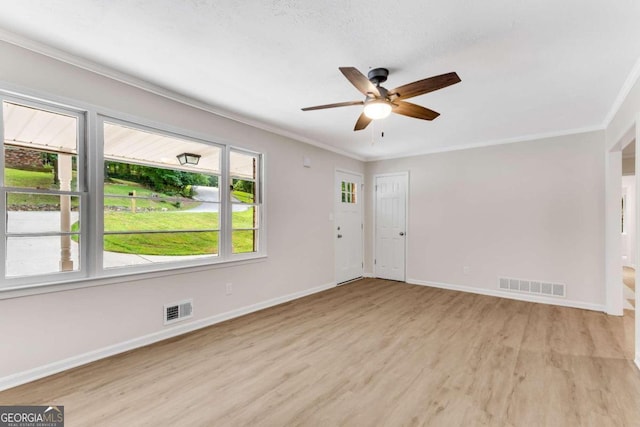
(638, 362)
(367, 274)
(82, 359)
(516, 296)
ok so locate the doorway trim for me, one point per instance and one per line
(613, 242)
(333, 222)
(407, 235)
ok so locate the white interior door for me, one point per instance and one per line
(390, 226)
(348, 226)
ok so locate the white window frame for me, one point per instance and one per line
(100, 196)
(257, 203)
(91, 151)
(81, 192)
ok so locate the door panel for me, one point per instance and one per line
(390, 226)
(348, 226)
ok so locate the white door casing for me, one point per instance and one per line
(390, 225)
(348, 229)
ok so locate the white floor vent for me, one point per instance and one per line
(532, 287)
(178, 311)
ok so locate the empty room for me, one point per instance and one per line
(280, 213)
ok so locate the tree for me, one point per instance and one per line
(165, 181)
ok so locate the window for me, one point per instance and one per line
(245, 201)
(349, 192)
(155, 209)
(159, 200)
(42, 183)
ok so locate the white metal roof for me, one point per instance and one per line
(54, 132)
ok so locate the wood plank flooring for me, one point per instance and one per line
(369, 353)
(629, 280)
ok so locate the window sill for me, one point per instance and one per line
(116, 277)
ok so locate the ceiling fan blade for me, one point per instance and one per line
(413, 110)
(338, 104)
(359, 81)
(363, 122)
(425, 86)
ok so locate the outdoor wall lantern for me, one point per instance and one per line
(188, 158)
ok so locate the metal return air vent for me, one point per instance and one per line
(537, 287)
(178, 311)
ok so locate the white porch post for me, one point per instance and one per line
(65, 175)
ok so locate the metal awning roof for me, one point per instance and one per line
(131, 145)
(38, 129)
(54, 132)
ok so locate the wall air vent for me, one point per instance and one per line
(178, 311)
(537, 287)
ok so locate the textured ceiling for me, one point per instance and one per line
(528, 68)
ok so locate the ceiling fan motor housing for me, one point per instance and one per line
(378, 75)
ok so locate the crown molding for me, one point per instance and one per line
(631, 80)
(127, 79)
(490, 143)
(111, 73)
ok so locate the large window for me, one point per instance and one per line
(159, 200)
(155, 208)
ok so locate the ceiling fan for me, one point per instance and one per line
(380, 102)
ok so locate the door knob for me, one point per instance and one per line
(402, 233)
(339, 236)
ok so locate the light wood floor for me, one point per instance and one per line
(368, 353)
(629, 279)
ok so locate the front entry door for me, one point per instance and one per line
(391, 196)
(348, 226)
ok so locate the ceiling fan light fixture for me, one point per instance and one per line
(377, 109)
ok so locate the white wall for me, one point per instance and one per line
(628, 166)
(531, 210)
(629, 235)
(48, 328)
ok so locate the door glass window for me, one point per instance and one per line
(349, 192)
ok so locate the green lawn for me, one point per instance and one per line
(30, 179)
(188, 243)
(161, 215)
(44, 180)
(34, 180)
(243, 196)
(119, 187)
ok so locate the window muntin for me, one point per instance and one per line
(42, 178)
(348, 192)
(25, 213)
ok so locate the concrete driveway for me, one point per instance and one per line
(41, 255)
(27, 256)
(210, 196)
